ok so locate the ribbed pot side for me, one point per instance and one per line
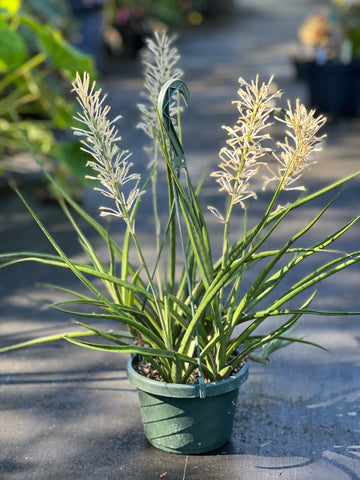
(177, 420)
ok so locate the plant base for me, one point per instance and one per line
(177, 420)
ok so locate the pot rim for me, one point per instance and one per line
(177, 390)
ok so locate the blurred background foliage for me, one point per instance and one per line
(37, 64)
(43, 44)
(128, 22)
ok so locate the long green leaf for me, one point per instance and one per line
(45, 339)
(256, 287)
(81, 267)
(243, 337)
(239, 246)
(148, 334)
(317, 276)
(268, 286)
(154, 352)
(89, 250)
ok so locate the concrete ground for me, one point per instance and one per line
(68, 414)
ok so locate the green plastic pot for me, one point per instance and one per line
(177, 420)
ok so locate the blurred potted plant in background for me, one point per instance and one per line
(36, 62)
(194, 318)
(328, 58)
(88, 34)
(130, 22)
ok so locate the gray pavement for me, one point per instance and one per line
(68, 414)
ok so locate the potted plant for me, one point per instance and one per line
(328, 58)
(193, 321)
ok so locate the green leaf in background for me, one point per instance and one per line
(55, 12)
(354, 37)
(41, 138)
(12, 6)
(69, 154)
(13, 51)
(52, 102)
(64, 56)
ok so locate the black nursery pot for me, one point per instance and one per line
(334, 87)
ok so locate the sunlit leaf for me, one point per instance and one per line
(13, 51)
(12, 6)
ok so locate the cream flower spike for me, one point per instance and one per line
(244, 155)
(297, 148)
(99, 139)
(159, 59)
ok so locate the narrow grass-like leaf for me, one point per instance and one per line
(46, 339)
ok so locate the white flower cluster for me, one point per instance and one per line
(100, 139)
(299, 144)
(246, 150)
(241, 160)
(160, 59)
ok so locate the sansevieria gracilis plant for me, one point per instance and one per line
(188, 313)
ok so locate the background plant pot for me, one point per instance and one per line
(333, 87)
(177, 420)
(89, 37)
